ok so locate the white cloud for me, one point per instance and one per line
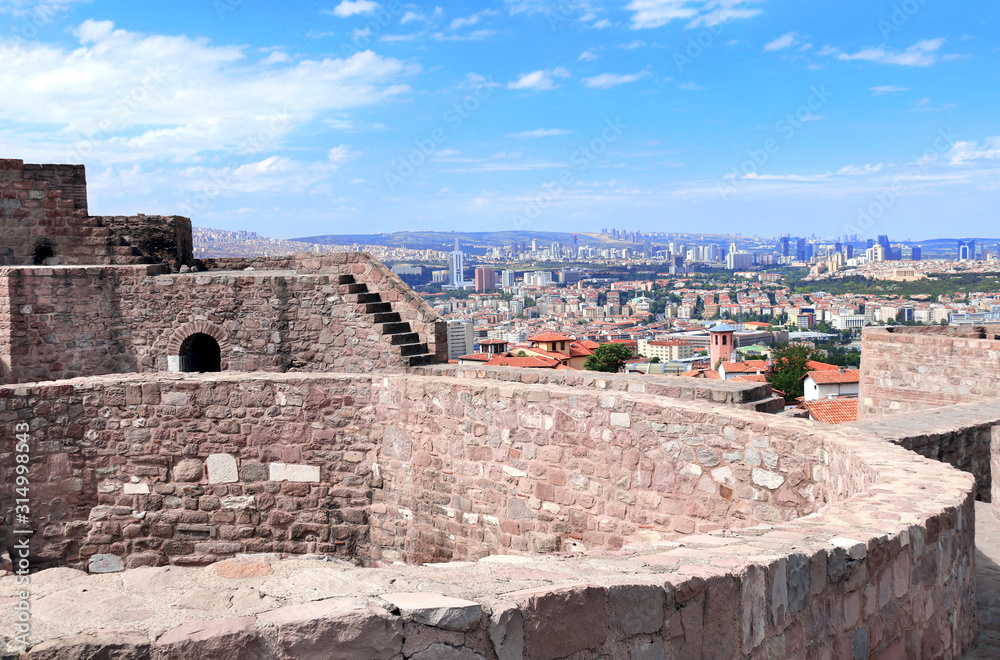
(633, 45)
(538, 80)
(922, 53)
(888, 89)
(459, 23)
(539, 132)
(122, 96)
(601, 24)
(586, 56)
(348, 8)
(608, 80)
(708, 13)
(964, 152)
(782, 42)
(40, 12)
(692, 87)
(411, 16)
(341, 154)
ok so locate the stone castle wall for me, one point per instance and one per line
(189, 471)
(881, 564)
(44, 219)
(911, 369)
(476, 467)
(65, 322)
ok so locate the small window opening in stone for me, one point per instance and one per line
(200, 353)
(42, 252)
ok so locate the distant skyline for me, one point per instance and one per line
(355, 116)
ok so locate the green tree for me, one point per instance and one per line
(655, 360)
(789, 368)
(609, 358)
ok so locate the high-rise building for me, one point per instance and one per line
(916, 253)
(784, 246)
(800, 249)
(507, 278)
(460, 338)
(534, 245)
(486, 279)
(967, 250)
(457, 267)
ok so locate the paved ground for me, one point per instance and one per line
(987, 583)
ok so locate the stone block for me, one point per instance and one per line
(235, 639)
(106, 563)
(358, 632)
(636, 609)
(252, 472)
(650, 651)
(109, 644)
(506, 628)
(296, 473)
(188, 470)
(436, 610)
(396, 444)
(441, 651)
(798, 582)
(563, 621)
(222, 469)
(753, 605)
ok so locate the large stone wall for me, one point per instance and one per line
(910, 369)
(66, 322)
(188, 471)
(962, 436)
(44, 219)
(881, 564)
(474, 467)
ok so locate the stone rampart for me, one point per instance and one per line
(881, 564)
(66, 322)
(910, 369)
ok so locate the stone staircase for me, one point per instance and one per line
(414, 351)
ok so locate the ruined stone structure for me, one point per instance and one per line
(214, 433)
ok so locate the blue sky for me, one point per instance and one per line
(294, 119)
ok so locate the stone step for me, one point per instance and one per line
(388, 317)
(369, 298)
(345, 279)
(378, 308)
(407, 350)
(420, 360)
(357, 288)
(395, 328)
(405, 338)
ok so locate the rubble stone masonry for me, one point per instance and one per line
(680, 528)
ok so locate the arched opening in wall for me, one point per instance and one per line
(43, 251)
(200, 353)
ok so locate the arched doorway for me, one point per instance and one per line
(200, 353)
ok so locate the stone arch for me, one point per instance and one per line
(188, 330)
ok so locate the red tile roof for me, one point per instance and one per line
(532, 362)
(833, 411)
(482, 357)
(834, 377)
(812, 365)
(749, 366)
(550, 336)
(752, 378)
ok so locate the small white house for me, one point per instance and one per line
(832, 384)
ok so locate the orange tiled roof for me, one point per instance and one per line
(748, 366)
(834, 377)
(531, 362)
(482, 357)
(834, 411)
(812, 365)
(752, 378)
(550, 336)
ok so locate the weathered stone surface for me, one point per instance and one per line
(445, 652)
(356, 631)
(650, 651)
(189, 470)
(798, 582)
(98, 645)
(558, 622)
(297, 473)
(753, 606)
(222, 469)
(238, 569)
(507, 631)
(208, 640)
(636, 609)
(765, 479)
(106, 564)
(436, 609)
(396, 444)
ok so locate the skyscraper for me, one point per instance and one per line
(800, 249)
(967, 250)
(486, 279)
(784, 246)
(457, 267)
